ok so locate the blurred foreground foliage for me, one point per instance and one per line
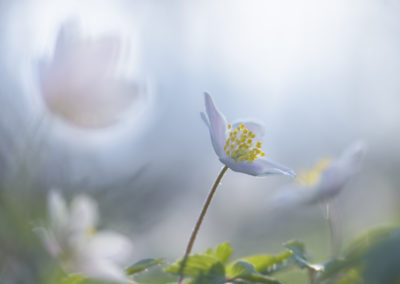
(372, 258)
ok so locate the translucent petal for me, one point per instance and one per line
(49, 241)
(217, 126)
(58, 211)
(256, 127)
(260, 167)
(339, 173)
(352, 157)
(205, 119)
(110, 245)
(84, 215)
(100, 269)
(292, 195)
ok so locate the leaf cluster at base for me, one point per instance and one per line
(213, 267)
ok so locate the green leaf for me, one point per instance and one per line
(73, 279)
(258, 278)
(156, 275)
(382, 261)
(298, 250)
(243, 270)
(143, 265)
(204, 268)
(359, 254)
(332, 267)
(352, 276)
(300, 257)
(213, 276)
(266, 264)
(239, 268)
(196, 265)
(222, 252)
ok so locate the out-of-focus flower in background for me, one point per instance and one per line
(235, 146)
(82, 82)
(325, 180)
(71, 237)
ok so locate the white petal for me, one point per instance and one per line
(102, 257)
(292, 195)
(84, 215)
(260, 167)
(101, 269)
(256, 127)
(80, 82)
(217, 126)
(59, 215)
(110, 245)
(352, 157)
(339, 173)
(49, 241)
(205, 119)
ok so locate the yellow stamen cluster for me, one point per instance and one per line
(239, 145)
(312, 176)
(91, 231)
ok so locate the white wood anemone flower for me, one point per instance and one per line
(325, 180)
(71, 237)
(238, 146)
(81, 83)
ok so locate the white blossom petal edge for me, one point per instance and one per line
(235, 145)
(327, 181)
(71, 237)
(340, 172)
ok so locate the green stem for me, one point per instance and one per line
(200, 221)
(333, 229)
(311, 275)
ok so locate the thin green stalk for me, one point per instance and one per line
(200, 220)
(333, 229)
(312, 276)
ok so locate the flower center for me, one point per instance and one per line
(240, 146)
(90, 232)
(312, 176)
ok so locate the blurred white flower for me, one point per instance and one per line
(325, 180)
(81, 83)
(235, 145)
(72, 238)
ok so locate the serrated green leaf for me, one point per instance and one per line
(268, 263)
(222, 252)
(73, 279)
(196, 265)
(143, 265)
